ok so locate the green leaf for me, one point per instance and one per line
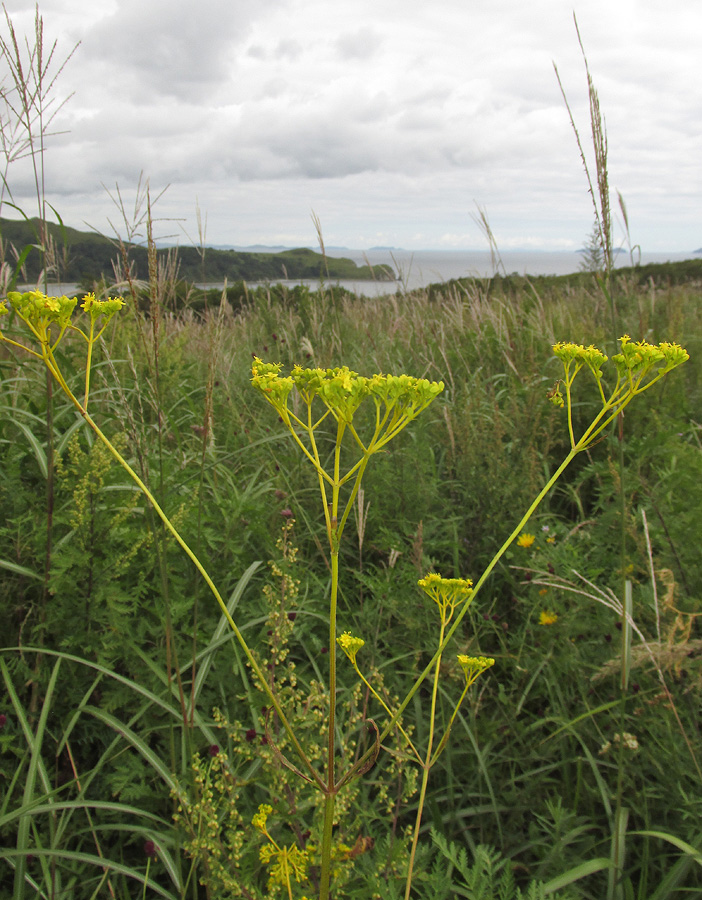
(100, 862)
(39, 453)
(222, 628)
(140, 745)
(576, 873)
(19, 570)
(675, 841)
(35, 770)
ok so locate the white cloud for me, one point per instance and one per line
(390, 119)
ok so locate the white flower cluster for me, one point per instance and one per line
(629, 741)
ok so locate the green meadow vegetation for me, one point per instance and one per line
(279, 624)
(137, 745)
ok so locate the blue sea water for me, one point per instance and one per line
(420, 268)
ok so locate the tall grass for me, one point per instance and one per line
(443, 497)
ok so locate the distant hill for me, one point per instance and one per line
(86, 256)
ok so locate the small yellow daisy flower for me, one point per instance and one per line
(525, 540)
(547, 617)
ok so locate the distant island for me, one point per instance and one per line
(83, 257)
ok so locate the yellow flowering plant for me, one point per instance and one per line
(334, 396)
(312, 402)
(449, 594)
(638, 366)
(286, 863)
(46, 320)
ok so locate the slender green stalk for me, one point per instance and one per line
(218, 597)
(41, 332)
(331, 788)
(483, 578)
(426, 768)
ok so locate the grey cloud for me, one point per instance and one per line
(361, 44)
(288, 49)
(256, 51)
(168, 48)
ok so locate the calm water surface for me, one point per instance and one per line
(422, 267)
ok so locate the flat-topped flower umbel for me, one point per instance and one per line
(398, 398)
(638, 366)
(337, 393)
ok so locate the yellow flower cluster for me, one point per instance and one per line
(591, 356)
(636, 358)
(285, 862)
(547, 617)
(447, 593)
(106, 308)
(474, 665)
(350, 645)
(342, 390)
(39, 310)
(261, 817)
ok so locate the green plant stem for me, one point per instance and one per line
(263, 683)
(325, 874)
(389, 712)
(331, 788)
(88, 363)
(483, 578)
(426, 767)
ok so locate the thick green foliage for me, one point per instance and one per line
(527, 769)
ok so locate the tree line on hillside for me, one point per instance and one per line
(77, 256)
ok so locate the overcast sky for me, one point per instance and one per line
(388, 119)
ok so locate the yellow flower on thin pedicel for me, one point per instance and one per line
(260, 818)
(547, 617)
(350, 645)
(473, 666)
(447, 593)
(106, 308)
(525, 540)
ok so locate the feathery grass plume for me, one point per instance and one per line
(34, 70)
(482, 221)
(600, 198)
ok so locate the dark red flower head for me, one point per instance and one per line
(150, 849)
